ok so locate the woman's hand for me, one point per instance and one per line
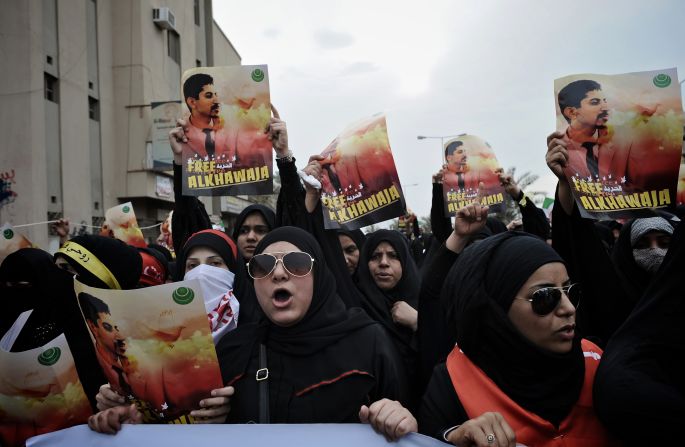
(487, 430)
(108, 398)
(277, 133)
(389, 418)
(404, 314)
(312, 195)
(214, 410)
(177, 138)
(109, 421)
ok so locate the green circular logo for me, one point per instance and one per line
(126, 209)
(8, 233)
(662, 80)
(183, 295)
(50, 356)
(257, 75)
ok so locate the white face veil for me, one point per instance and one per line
(221, 305)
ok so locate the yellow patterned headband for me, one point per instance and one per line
(90, 262)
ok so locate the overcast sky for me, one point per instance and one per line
(440, 67)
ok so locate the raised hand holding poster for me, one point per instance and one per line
(227, 110)
(469, 162)
(154, 346)
(624, 136)
(360, 185)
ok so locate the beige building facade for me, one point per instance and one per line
(77, 79)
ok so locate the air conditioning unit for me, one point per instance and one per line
(164, 18)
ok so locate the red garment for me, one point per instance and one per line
(224, 146)
(612, 160)
(479, 394)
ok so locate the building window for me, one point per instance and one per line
(93, 109)
(50, 88)
(174, 46)
(196, 10)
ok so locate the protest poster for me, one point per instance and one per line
(228, 151)
(11, 241)
(624, 136)
(40, 392)
(360, 185)
(164, 116)
(121, 223)
(470, 161)
(154, 346)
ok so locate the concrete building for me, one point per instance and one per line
(76, 81)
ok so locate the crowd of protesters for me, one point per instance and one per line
(474, 334)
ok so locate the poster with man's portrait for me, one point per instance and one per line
(360, 185)
(40, 392)
(624, 136)
(121, 223)
(154, 346)
(471, 163)
(228, 110)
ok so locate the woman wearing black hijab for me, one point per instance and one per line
(309, 359)
(519, 372)
(389, 280)
(640, 384)
(351, 243)
(250, 227)
(27, 281)
(98, 262)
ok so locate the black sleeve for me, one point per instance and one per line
(638, 389)
(440, 225)
(561, 233)
(189, 215)
(534, 220)
(392, 377)
(604, 305)
(435, 338)
(290, 207)
(440, 408)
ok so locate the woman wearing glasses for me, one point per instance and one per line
(309, 359)
(519, 372)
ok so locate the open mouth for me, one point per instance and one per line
(282, 298)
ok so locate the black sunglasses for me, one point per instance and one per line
(296, 263)
(546, 299)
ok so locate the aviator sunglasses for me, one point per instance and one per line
(546, 299)
(296, 263)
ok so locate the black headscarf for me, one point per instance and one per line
(214, 239)
(634, 280)
(227, 249)
(266, 212)
(36, 268)
(56, 307)
(325, 322)
(478, 293)
(357, 236)
(122, 260)
(378, 303)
